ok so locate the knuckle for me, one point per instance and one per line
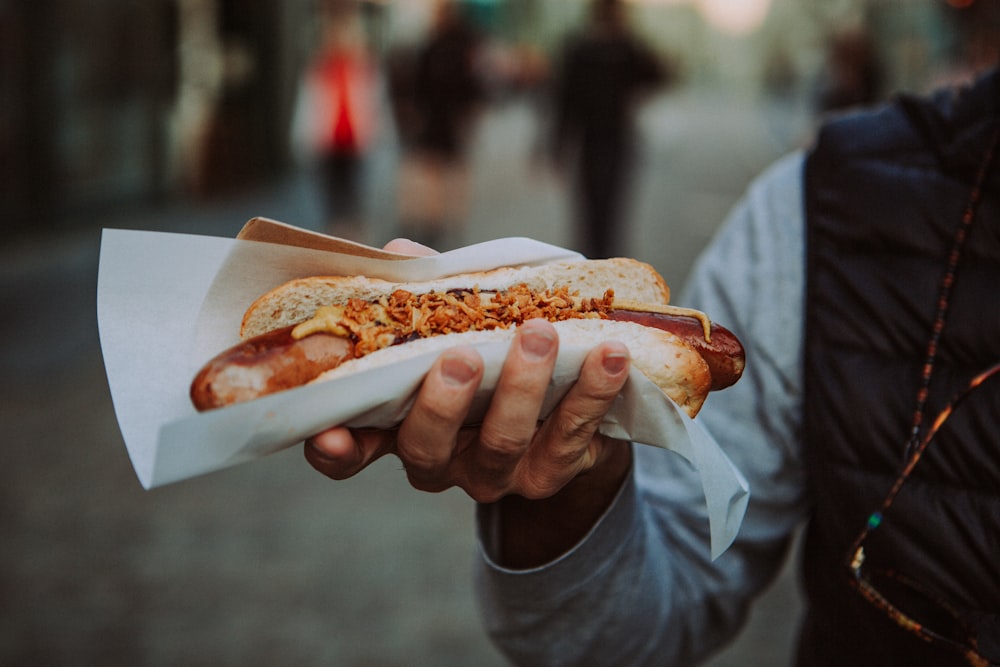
(486, 495)
(599, 391)
(539, 482)
(490, 480)
(339, 475)
(427, 483)
(604, 394)
(423, 464)
(483, 485)
(420, 461)
(443, 412)
(502, 446)
(530, 383)
(574, 425)
(428, 487)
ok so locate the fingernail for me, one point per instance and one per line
(614, 362)
(458, 370)
(537, 343)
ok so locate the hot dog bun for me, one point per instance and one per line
(297, 300)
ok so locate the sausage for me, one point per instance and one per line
(276, 361)
(266, 364)
(723, 351)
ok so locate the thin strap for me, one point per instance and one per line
(944, 293)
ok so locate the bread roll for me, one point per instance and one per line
(297, 300)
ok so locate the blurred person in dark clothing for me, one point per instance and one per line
(447, 92)
(853, 73)
(602, 74)
(401, 86)
(336, 118)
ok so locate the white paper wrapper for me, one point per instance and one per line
(169, 302)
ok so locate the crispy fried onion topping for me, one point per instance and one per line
(402, 316)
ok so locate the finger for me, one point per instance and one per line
(340, 453)
(408, 247)
(427, 436)
(567, 443)
(512, 418)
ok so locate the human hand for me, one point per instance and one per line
(511, 452)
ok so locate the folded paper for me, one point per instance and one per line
(167, 303)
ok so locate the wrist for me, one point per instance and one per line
(535, 532)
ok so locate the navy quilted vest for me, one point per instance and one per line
(885, 191)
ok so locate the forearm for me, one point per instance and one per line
(645, 567)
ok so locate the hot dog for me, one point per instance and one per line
(317, 328)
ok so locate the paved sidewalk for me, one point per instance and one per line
(269, 563)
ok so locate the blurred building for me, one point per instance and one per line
(110, 102)
(106, 103)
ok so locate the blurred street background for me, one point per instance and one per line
(193, 116)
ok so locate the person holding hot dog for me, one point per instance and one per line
(861, 277)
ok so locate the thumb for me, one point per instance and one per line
(340, 453)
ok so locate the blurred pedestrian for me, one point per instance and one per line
(602, 74)
(853, 73)
(447, 92)
(336, 117)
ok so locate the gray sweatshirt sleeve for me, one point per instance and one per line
(641, 588)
